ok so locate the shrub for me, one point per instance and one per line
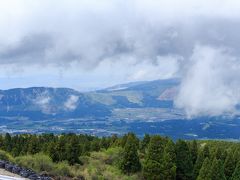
(63, 169)
(6, 156)
(38, 162)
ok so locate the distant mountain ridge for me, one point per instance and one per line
(36, 104)
(64, 102)
(41, 103)
(141, 107)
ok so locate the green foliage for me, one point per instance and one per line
(37, 162)
(74, 156)
(152, 167)
(73, 151)
(62, 169)
(205, 171)
(183, 161)
(229, 165)
(104, 165)
(169, 162)
(130, 161)
(217, 170)
(43, 163)
(204, 153)
(218, 153)
(194, 151)
(236, 173)
(6, 156)
(145, 142)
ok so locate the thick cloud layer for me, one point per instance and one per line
(89, 43)
(211, 85)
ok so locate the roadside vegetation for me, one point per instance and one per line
(71, 156)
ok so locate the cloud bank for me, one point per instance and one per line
(211, 84)
(89, 43)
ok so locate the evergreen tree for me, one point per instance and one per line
(1, 141)
(205, 171)
(86, 147)
(236, 156)
(114, 138)
(200, 159)
(217, 170)
(229, 165)
(206, 152)
(145, 143)
(8, 142)
(60, 149)
(104, 143)
(95, 146)
(73, 151)
(218, 154)
(183, 161)
(124, 140)
(33, 146)
(152, 167)
(194, 150)
(169, 162)
(135, 139)
(52, 152)
(130, 161)
(236, 173)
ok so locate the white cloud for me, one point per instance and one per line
(71, 103)
(42, 100)
(211, 83)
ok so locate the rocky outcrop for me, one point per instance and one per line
(26, 173)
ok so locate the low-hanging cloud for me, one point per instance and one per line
(197, 41)
(210, 85)
(71, 103)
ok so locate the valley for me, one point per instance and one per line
(140, 107)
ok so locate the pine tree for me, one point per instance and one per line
(52, 152)
(200, 159)
(124, 140)
(33, 145)
(236, 156)
(8, 142)
(236, 173)
(229, 165)
(95, 145)
(145, 143)
(152, 167)
(135, 139)
(205, 171)
(104, 143)
(169, 162)
(113, 140)
(1, 141)
(206, 152)
(183, 161)
(130, 161)
(73, 151)
(218, 154)
(198, 164)
(217, 170)
(194, 151)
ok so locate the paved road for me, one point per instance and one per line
(2, 177)
(5, 175)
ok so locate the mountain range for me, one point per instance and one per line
(141, 107)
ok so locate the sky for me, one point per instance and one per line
(91, 44)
